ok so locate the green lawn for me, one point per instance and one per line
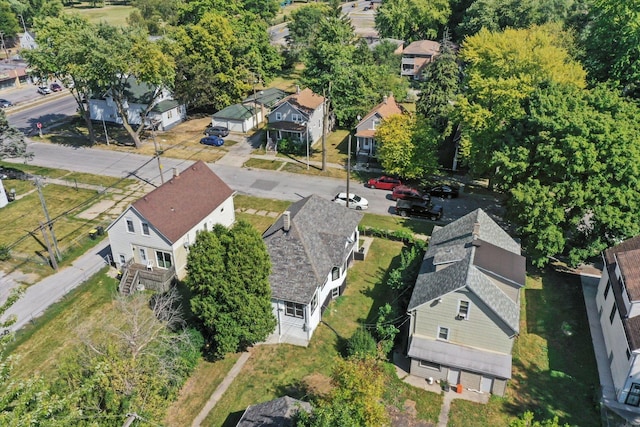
(114, 15)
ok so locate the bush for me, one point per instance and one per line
(289, 146)
(5, 253)
(361, 344)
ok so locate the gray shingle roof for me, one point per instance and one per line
(274, 413)
(455, 244)
(303, 257)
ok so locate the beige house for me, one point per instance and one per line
(150, 239)
(416, 56)
(465, 307)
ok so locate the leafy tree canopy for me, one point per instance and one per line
(411, 20)
(228, 274)
(9, 25)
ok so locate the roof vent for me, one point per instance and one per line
(286, 218)
(476, 230)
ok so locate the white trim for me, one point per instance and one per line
(440, 329)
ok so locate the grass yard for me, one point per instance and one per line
(554, 373)
(114, 15)
(263, 164)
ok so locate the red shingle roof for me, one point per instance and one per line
(179, 204)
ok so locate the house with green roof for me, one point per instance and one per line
(165, 113)
(465, 306)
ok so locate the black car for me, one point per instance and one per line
(444, 191)
(420, 208)
(217, 131)
(4, 103)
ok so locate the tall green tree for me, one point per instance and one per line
(503, 69)
(407, 146)
(303, 27)
(570, 167)
(611, 41)
(12, 143)
(9, 25)
(411, 20)
(65, 48)
(228, 274)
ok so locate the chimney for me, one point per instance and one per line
(176, 173)
(384, 99)
(476, 230)
(298, 89)
(286, 219)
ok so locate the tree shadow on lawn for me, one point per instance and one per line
(556, 313)
(380, 293)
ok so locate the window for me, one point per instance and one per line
(169, 114)
(145, 229)
(443, 333)
(375, 123)
(130, 228)
(429, 365)
(294, 310)
(613, 313)
(463, 309)
(335, 293)
(633, 398)
(335, 273)
(314, 302)
(163, 259)
(296, 118)
(123, 260)
(606, 290)
(278, 116)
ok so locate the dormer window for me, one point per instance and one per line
(463, 310)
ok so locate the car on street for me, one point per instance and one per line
(217, 131)
(444, 191)
(355, 202)
(418, 208)
(4, 103)
(44, 90)
(55, 87)
(384, 183)
(406, 192)
(216, 141)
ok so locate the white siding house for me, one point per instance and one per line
(155, 232)
(165, 113)
(311, 247)
(465, 307)
(617, 300)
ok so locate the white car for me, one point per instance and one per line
(355, 202)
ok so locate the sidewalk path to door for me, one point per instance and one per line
(51, 289)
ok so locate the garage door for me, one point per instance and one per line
(485, 384)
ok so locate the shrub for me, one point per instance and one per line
(289, 146)
(361, 344)
(5, 253)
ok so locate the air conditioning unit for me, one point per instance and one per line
(462, 316)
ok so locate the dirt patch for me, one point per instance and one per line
(317, 384)
(406, 417)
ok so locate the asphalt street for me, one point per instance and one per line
(59, 107)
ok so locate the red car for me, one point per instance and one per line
(384, 183)
(404, 192)
(56, 87)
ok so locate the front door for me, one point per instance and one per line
(454, 376)
(143, 256)
(485, 384)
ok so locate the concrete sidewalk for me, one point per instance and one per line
(51, 289)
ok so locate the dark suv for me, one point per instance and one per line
(217, 131)
(404, 192)
(420, 208)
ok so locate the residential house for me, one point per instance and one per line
(366, 128)
(12, 76)
(238, 117)
(416, 56)
(618, 303)
(154, 233)
(166, 111)
(297, 117)
(27, 40)
(311, 246)
(465, 307)
(274, 413)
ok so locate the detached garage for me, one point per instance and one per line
(237, 117)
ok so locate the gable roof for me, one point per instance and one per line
(181, 203)
(471, 252)
(305, 101)
(422, 47)
(386, 108)
(316, 242)
(235, 112)
(274, 413)
(627, 256)
(267, 97)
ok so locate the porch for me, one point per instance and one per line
(138, 277)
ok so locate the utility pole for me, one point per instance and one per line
(158, 151)
(348, 167)
(46, 215)
(54, 264)
(325, 128)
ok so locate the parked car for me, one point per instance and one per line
(419, 208)
(56, 87)
(384, 183)
(4, 103)
(216, 141)
(405, 192)
(217, 131)
(444, 191)
(44, 90)
(355, 202)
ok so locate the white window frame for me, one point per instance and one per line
(161, 262)
(335, 293)
(278, 116)
(296, 117)
(314, 302)
(122, 258)
(464, 307)
(335, 273)
(293, 309)
(145, 228)
(430, 365)
(443, 329)
(130, 227)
